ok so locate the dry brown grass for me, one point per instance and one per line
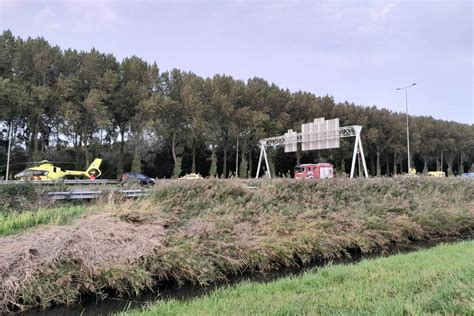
(202, 231)
(83, 248)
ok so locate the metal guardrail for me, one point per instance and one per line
(89, 194)
(60, 182)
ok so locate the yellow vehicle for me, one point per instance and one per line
(436, 174)
(46, 171)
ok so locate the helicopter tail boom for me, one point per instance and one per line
(94, 168)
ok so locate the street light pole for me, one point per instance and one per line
(408, 130)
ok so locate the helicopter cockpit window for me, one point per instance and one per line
(31, 173)
(21, 174)
(39, 173)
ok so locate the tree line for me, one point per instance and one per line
(71, 106)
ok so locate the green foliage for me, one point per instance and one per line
(81, 104)
(24, 189)
(43, 290)
(177, 168)
(47, 288)
(125, 280)
(12, 223)
(213, 168)
(15, 197)
(433, 281)
(343, 168)
(136, 164)
(243, 169)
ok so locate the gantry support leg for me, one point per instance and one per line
(259, 161)
(354, 157)
(266, 163)
(358, 149)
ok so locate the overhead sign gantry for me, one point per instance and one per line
(320, 134)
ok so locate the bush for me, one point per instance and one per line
(14, 197)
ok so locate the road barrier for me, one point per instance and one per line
(90, 194)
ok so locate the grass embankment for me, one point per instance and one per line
(15, 222)
(439, 280)
(22, 207)
(203, 231)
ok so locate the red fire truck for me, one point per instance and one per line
(314, 171)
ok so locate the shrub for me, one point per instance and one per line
(14, 197)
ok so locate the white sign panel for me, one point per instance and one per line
(320, 134)
(333, 133)
(290, 141)
(317, 127)
(306, 131)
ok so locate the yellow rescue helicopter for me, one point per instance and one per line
(47, 171)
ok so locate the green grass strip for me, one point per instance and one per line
(12, 223)
(439, 280)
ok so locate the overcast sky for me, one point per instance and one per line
(358, 51)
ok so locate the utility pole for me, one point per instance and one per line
(408, 131)
(10, 131)
(237, 159)
(442, 151)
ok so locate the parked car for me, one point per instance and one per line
(135, 177)
(437, 174)
(192, 176)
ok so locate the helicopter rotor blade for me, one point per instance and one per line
(39, 162)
